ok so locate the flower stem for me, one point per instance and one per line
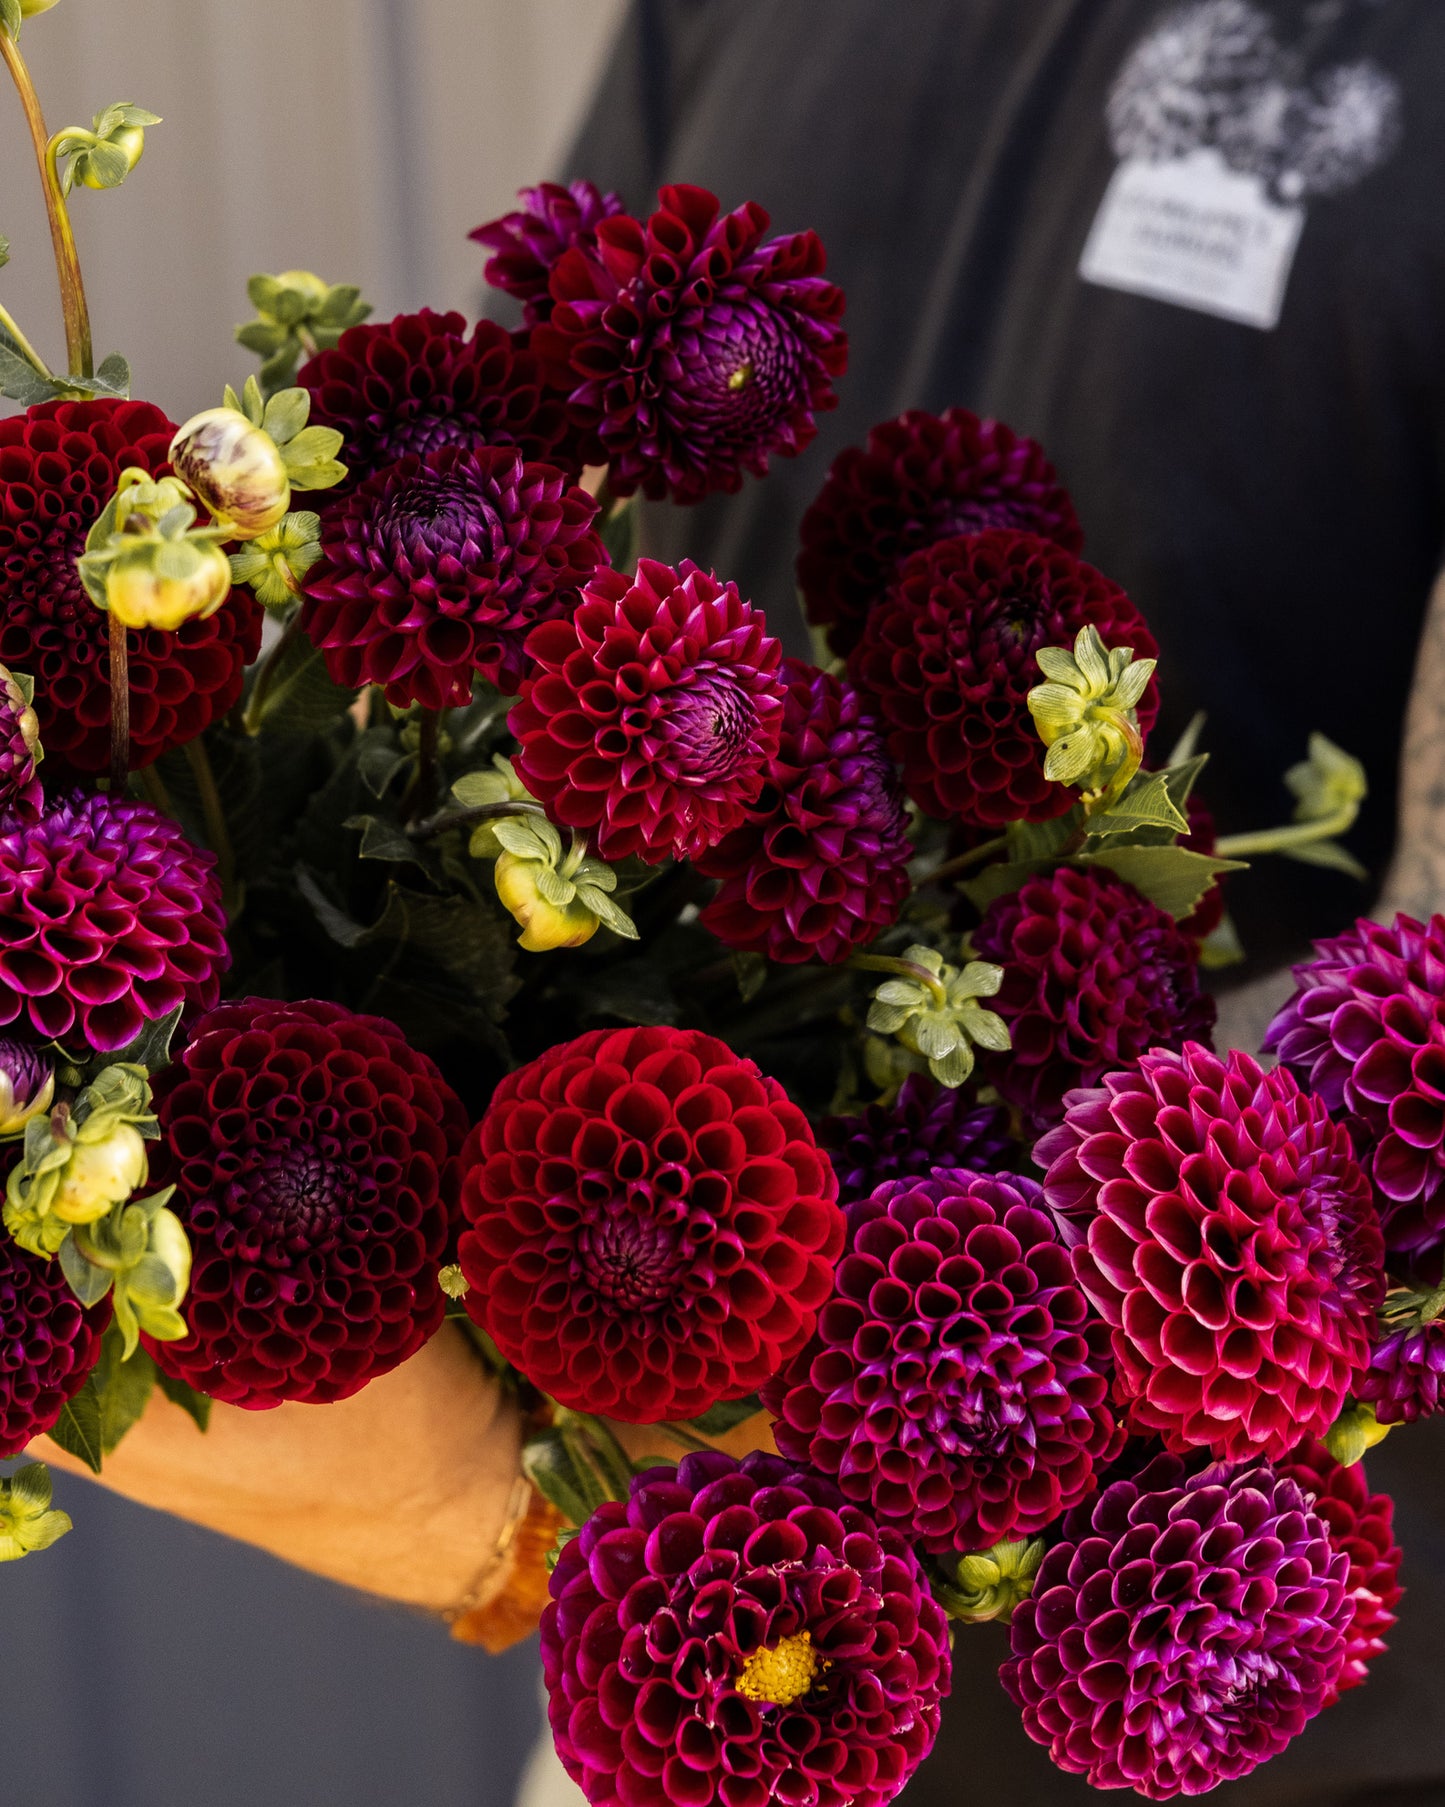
(902, 969)
(251, 720)
(215, 819)
(119, 702)
(423, 787)
(431, 826)
(961, 862)
(1276, 840)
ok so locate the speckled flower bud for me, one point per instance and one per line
(236, 469)
(165, 583)
(20, 749)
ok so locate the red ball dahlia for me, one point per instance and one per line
(690, 350)
(59, 464)
(957, 1384)
(529, 241)
(1094, 976)
(947, 657)
(314, 1156)
(920, 478)
(736, 1635)
(1183, 1631)
(109, 919)
(653, 1227)
(1228, 1236)
(821, 863)
(48, 1348)
(650, 717)
(927, 1126)
(436, 569)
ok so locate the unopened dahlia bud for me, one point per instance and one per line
(27, 1520)
(297, 314)
(29, 8)
(236, 470)
(80, 1162)
(483, 790)
(20, 749)
(1086, 713)
(1353, 1432)
(934, 1010)
(560, 900)
(990, 1583)
(106, 154)
(164, 583)
(27, 1084)
(140, 1254)
(275, 562)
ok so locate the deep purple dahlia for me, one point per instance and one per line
(20, 751)
(690, 350)
(1183, 1629)
(920, 478)
(528, 242)
(926, 1126)
(436, 569)
(48, 1348)
(735, 1635)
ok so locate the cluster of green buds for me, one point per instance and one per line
(989, 1584)
(933, 1009)
(147, 562)
(106, 154)
(81, 1160)
(27, 1520)
(297, 315)
(1087, 714)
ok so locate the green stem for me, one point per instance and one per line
(422, 788)
(902, 969)
(251, 720)
(214, 816)
(961, 862)
(27, 351)
(431, 826)
(1276, 840)
(119, 704)
(154, 787)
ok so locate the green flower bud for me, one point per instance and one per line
(990, 1583)
(1086, 712)
(97, 1173)
(29, 8)
(236, 470)
(140, 1254)
(81, 1161)
(104, 156)
(453, 1281)
(479, 790)
(559, 901)
(1353, 1432)
(934, 1010)
(276, 561)
(27, 1521)
(297, 314)
(164, 583)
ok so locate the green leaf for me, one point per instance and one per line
(22, 382)
(383, 840)
(620, 534)
(718, 1420)
(550, 1463)
(1147, 803)
(195, 1405)
(1328, 854)
(151, 1049)
(301, 695)
(1001, 879)
(286, 414)
(113, 375)
(77, 1430)
(4, 250)
(102, 166)
(88, 1281)
(378, 763)
(1043, 840)
(1175, 878)
(124, 1386)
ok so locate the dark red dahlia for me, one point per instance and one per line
(109, 919)
(738, 1634)
(20, 751)
(529, 241)
(653, 1227)
(690, 350)
(314, 1156)
(920, 478)
(1094, 975)
(926, 1126)
(1361, 1524)
(648, 719)
(59, 464)
(1183, 1631)
(1228, 1236)
(957, 1384)
(947, 657)
(436, 569)
(405, 387)
(820, 865)
(1366, 1030)
(48, 1348)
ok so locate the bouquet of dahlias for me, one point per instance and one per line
(430, 909)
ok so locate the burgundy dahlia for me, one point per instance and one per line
(59, 464)
(926, 1126)
(920, 479)
(947, 658)
(735, 1635)
(1228, 1236)
(648, 719)
(314, 1156)
(957, 1384)
(1366, 1030)
(652, 1226)
(528, 242)
(436, 569)
(1094, 976)
(820, 865)
(109, 919)
(48, 1348)
(690, 349)
(20, 751)
(1183, 1631)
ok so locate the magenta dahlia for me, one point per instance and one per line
(957, 1384)
(652, 1226)
(691, 350)
(920, 478)
(926, 1126)
(738, 1634)
(59, 464)
(528, 242)
(1183, 1630)
(1094, 976)
(314, 1156)
(821, 863)
(648, 719)
(436, 569)
(48, 1348)
(1227, 1234)
(1406, 1375)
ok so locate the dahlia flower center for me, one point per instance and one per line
(438, 515)
(299, 1200)
(750, 370)
(627, 1256)
(424, 432)
(710, 727)
(783, 1673)
(977, 1414)
(1016, 620)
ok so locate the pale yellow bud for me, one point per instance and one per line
(166, 583)
(235, 468)
(544, 925)
(99, 1175)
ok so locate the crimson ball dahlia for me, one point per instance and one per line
(1094, 976)
(691, 350)
(652, 1226)
(1228, 1236)
(1183, 1630)
(738, 1634)
(436, 569)
(109, 919)
(920, 479)
(820, 864)
(648, 719)
(947, 658)
(314, 1159)
(48, 1348)
(59, 464)
(958, 1384)
(528, 241)
(927, 1126)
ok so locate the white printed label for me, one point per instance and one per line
(1193, 231)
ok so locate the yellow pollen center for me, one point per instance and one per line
(741, 377)
(783, 1674)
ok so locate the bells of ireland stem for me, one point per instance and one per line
(1086, 713)
(81, 1160)
(140, 1254)
(28, 1522)
(560, 900)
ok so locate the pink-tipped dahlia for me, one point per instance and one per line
(436, 569)
(653, 1227)
(690, 350)
(957, 1384)
(48, 1348)
(649, 718)
(736, 1635)
(820, 865)
(1094, 976)
(1228, 1236)
(1183, 1630)
(947, 658)
(314, 1156)
(20, 751)
(926, 1126)
(920, 479)
(109, 919)
(527, 242)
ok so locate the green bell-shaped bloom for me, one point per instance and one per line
(1086, 712)
(27, 1520)
(934, 1010)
